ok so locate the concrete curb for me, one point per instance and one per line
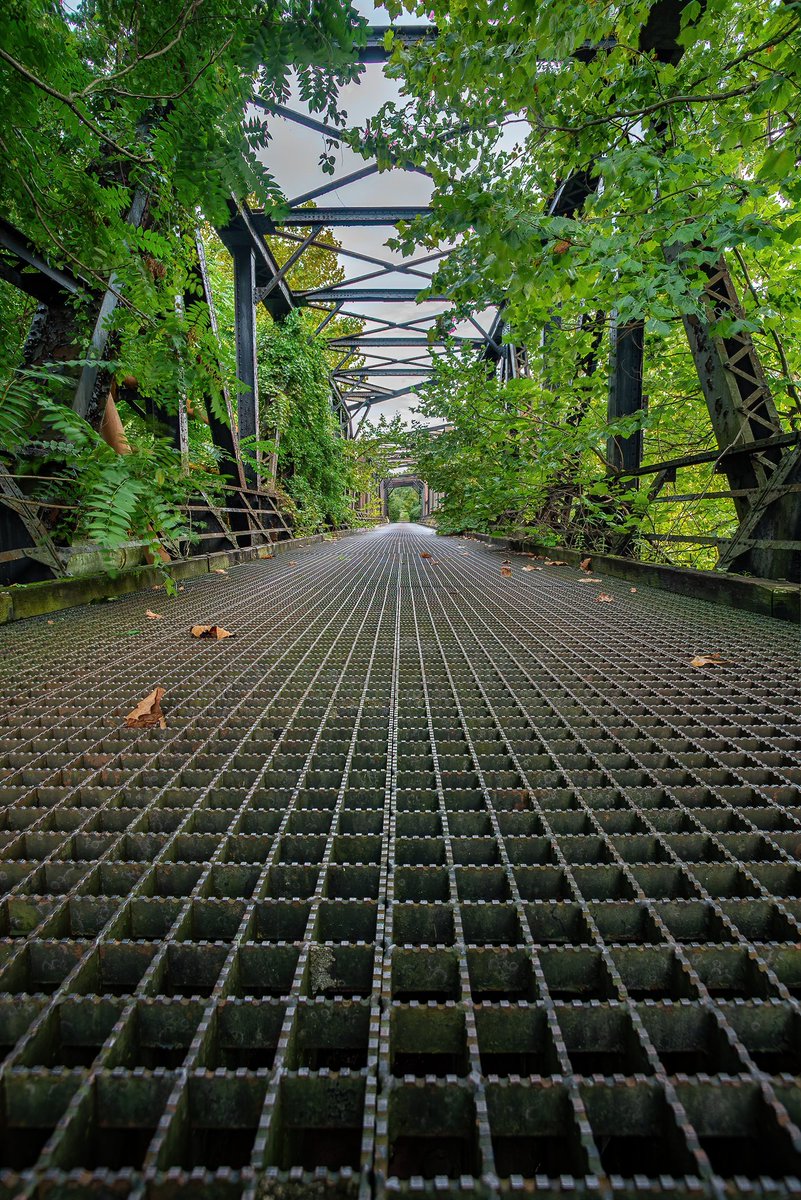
(51, 595)
(779, 600)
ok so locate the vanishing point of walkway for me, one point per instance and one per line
(437, 881)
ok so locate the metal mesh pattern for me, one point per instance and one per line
(438, 882)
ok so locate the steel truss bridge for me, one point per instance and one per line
(758, 459)
(450, 875)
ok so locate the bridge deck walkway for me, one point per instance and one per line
(436, 877)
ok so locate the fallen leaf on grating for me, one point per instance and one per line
(292, 562)
(532, 568)
(51, 622)
(632, 590)
(708, 660)
(506, 568)
(590, 579)
(218, 571)
(585, 564)
(604, 598)
(554, 562)
(153, 616)
(425, 554)
(216, 632)
(147, 712)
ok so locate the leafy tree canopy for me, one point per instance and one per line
(682, 120)
(126, 125)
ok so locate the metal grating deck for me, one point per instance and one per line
(437, 883)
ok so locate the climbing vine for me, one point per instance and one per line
(321, 471)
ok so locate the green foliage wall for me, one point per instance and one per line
(404, 504)
(297, 418)
(686, 122)
(106, 104)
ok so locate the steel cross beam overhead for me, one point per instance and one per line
(402, 268)
(363, 295)
(260, 279)
(368, 215)
(364, 342)
(403, 371)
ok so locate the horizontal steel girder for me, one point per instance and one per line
(28, 270)
(374, 50)
(340, 216)
(366, 342)
(360, 372)
(362, 295)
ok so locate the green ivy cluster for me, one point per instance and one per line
(320, 471)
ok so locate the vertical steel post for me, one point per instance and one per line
(625, 392)
(245, 321)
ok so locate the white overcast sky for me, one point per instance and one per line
(292, 156)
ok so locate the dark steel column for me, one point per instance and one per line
(625, 392)
(245, 318)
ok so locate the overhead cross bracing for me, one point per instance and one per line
(384, 296)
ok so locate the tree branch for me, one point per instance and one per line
(72, 106)
(638, 114)
(183, 19)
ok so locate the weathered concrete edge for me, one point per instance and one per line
(780, 600)
(51, 595)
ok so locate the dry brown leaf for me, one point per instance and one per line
(292, 563)
(218, 571)
(604, 598)
(590, 579)
(216, 632)
(632, 590)
(585, 564)
(153, 616)
(708, 660)
(147, 712)
(506, 568)
(51, 622)
(554, 562)
(425, 554)
(532, 568)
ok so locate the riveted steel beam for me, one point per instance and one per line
(344, 216)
